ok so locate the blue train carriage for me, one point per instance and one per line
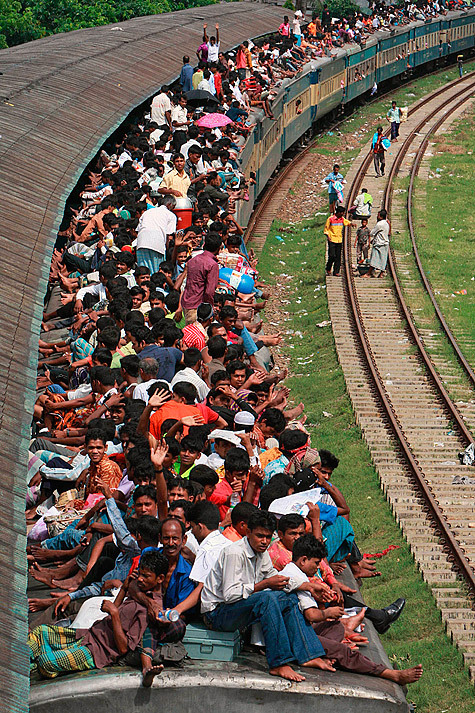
(360, 70)
(297, 109)
(331, 84)
(444, 36)
(394, 54)
(426, 42)
(270, 143)
(462, 31)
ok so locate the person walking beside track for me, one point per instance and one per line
(394, 118)
(378, 151)
(380, 245)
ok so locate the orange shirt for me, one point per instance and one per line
(232, 534)
(172, 409)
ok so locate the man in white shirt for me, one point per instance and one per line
(243, 587)
(160, 111)
(155, 225)
(148, 370)
(213, 44)
(179, 118)
(204, 519)
(193, 363)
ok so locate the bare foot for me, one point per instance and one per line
(352, 622)
(149, 674)
(43, 555)
(346, 589)
(294, 412)
(354, 638)
(408, 675)
(338, 567)
(322, 664)
(68, 585)
(39, 604)
(359, 572)
(286, 672)
(42, 575)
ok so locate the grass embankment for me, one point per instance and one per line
(445, 228)
(419, 636)
(318, 381)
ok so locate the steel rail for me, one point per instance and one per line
(456, 552)
(428, 287)
(448, 403)
(442, 528)
(269, 192)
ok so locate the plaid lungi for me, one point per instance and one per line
(55, 650)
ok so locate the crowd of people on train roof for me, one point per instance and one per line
(170, 480)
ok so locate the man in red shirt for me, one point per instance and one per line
(236, 469)
(194, 335)
(202, 278)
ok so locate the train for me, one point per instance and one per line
(330, 85)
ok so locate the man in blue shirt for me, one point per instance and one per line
(186, 75)
(334, 177)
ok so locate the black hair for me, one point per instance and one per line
(95, 434)
(130, 364)
(102, 355)
(148, 527)
(277, 488)
(204, 475)
(155, 561)
(156, 315)
(274, 419)
(191, 357)
(205, 513)
(105, 425)
(292, 438)
(290, 521)
(328, 459)
(191, 443)
(110, 338)
(308, 546)
(186, 391)
(242, 512)
(235, 365)
(217, 347)
(176, 482)
(219, 376)
(145, 491)
(228, 311)
(236, 459)
(212, 242)
(262, 518)
(185, 505)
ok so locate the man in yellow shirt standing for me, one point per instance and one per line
(334, 233)
(176, 182)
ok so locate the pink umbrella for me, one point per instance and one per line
(212, 121)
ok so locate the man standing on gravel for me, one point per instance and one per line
(394, 118)
(334, 234)
(380, 245)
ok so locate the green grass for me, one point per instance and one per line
(445, 229)
(318, 381)
(362, 121)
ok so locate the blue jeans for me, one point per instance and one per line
(149, 258)
(68, 539)
(288, 637)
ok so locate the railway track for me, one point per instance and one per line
(411, 425)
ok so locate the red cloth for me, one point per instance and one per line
(220, 497)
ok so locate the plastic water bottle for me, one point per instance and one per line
(169, 615)
(234, 499)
